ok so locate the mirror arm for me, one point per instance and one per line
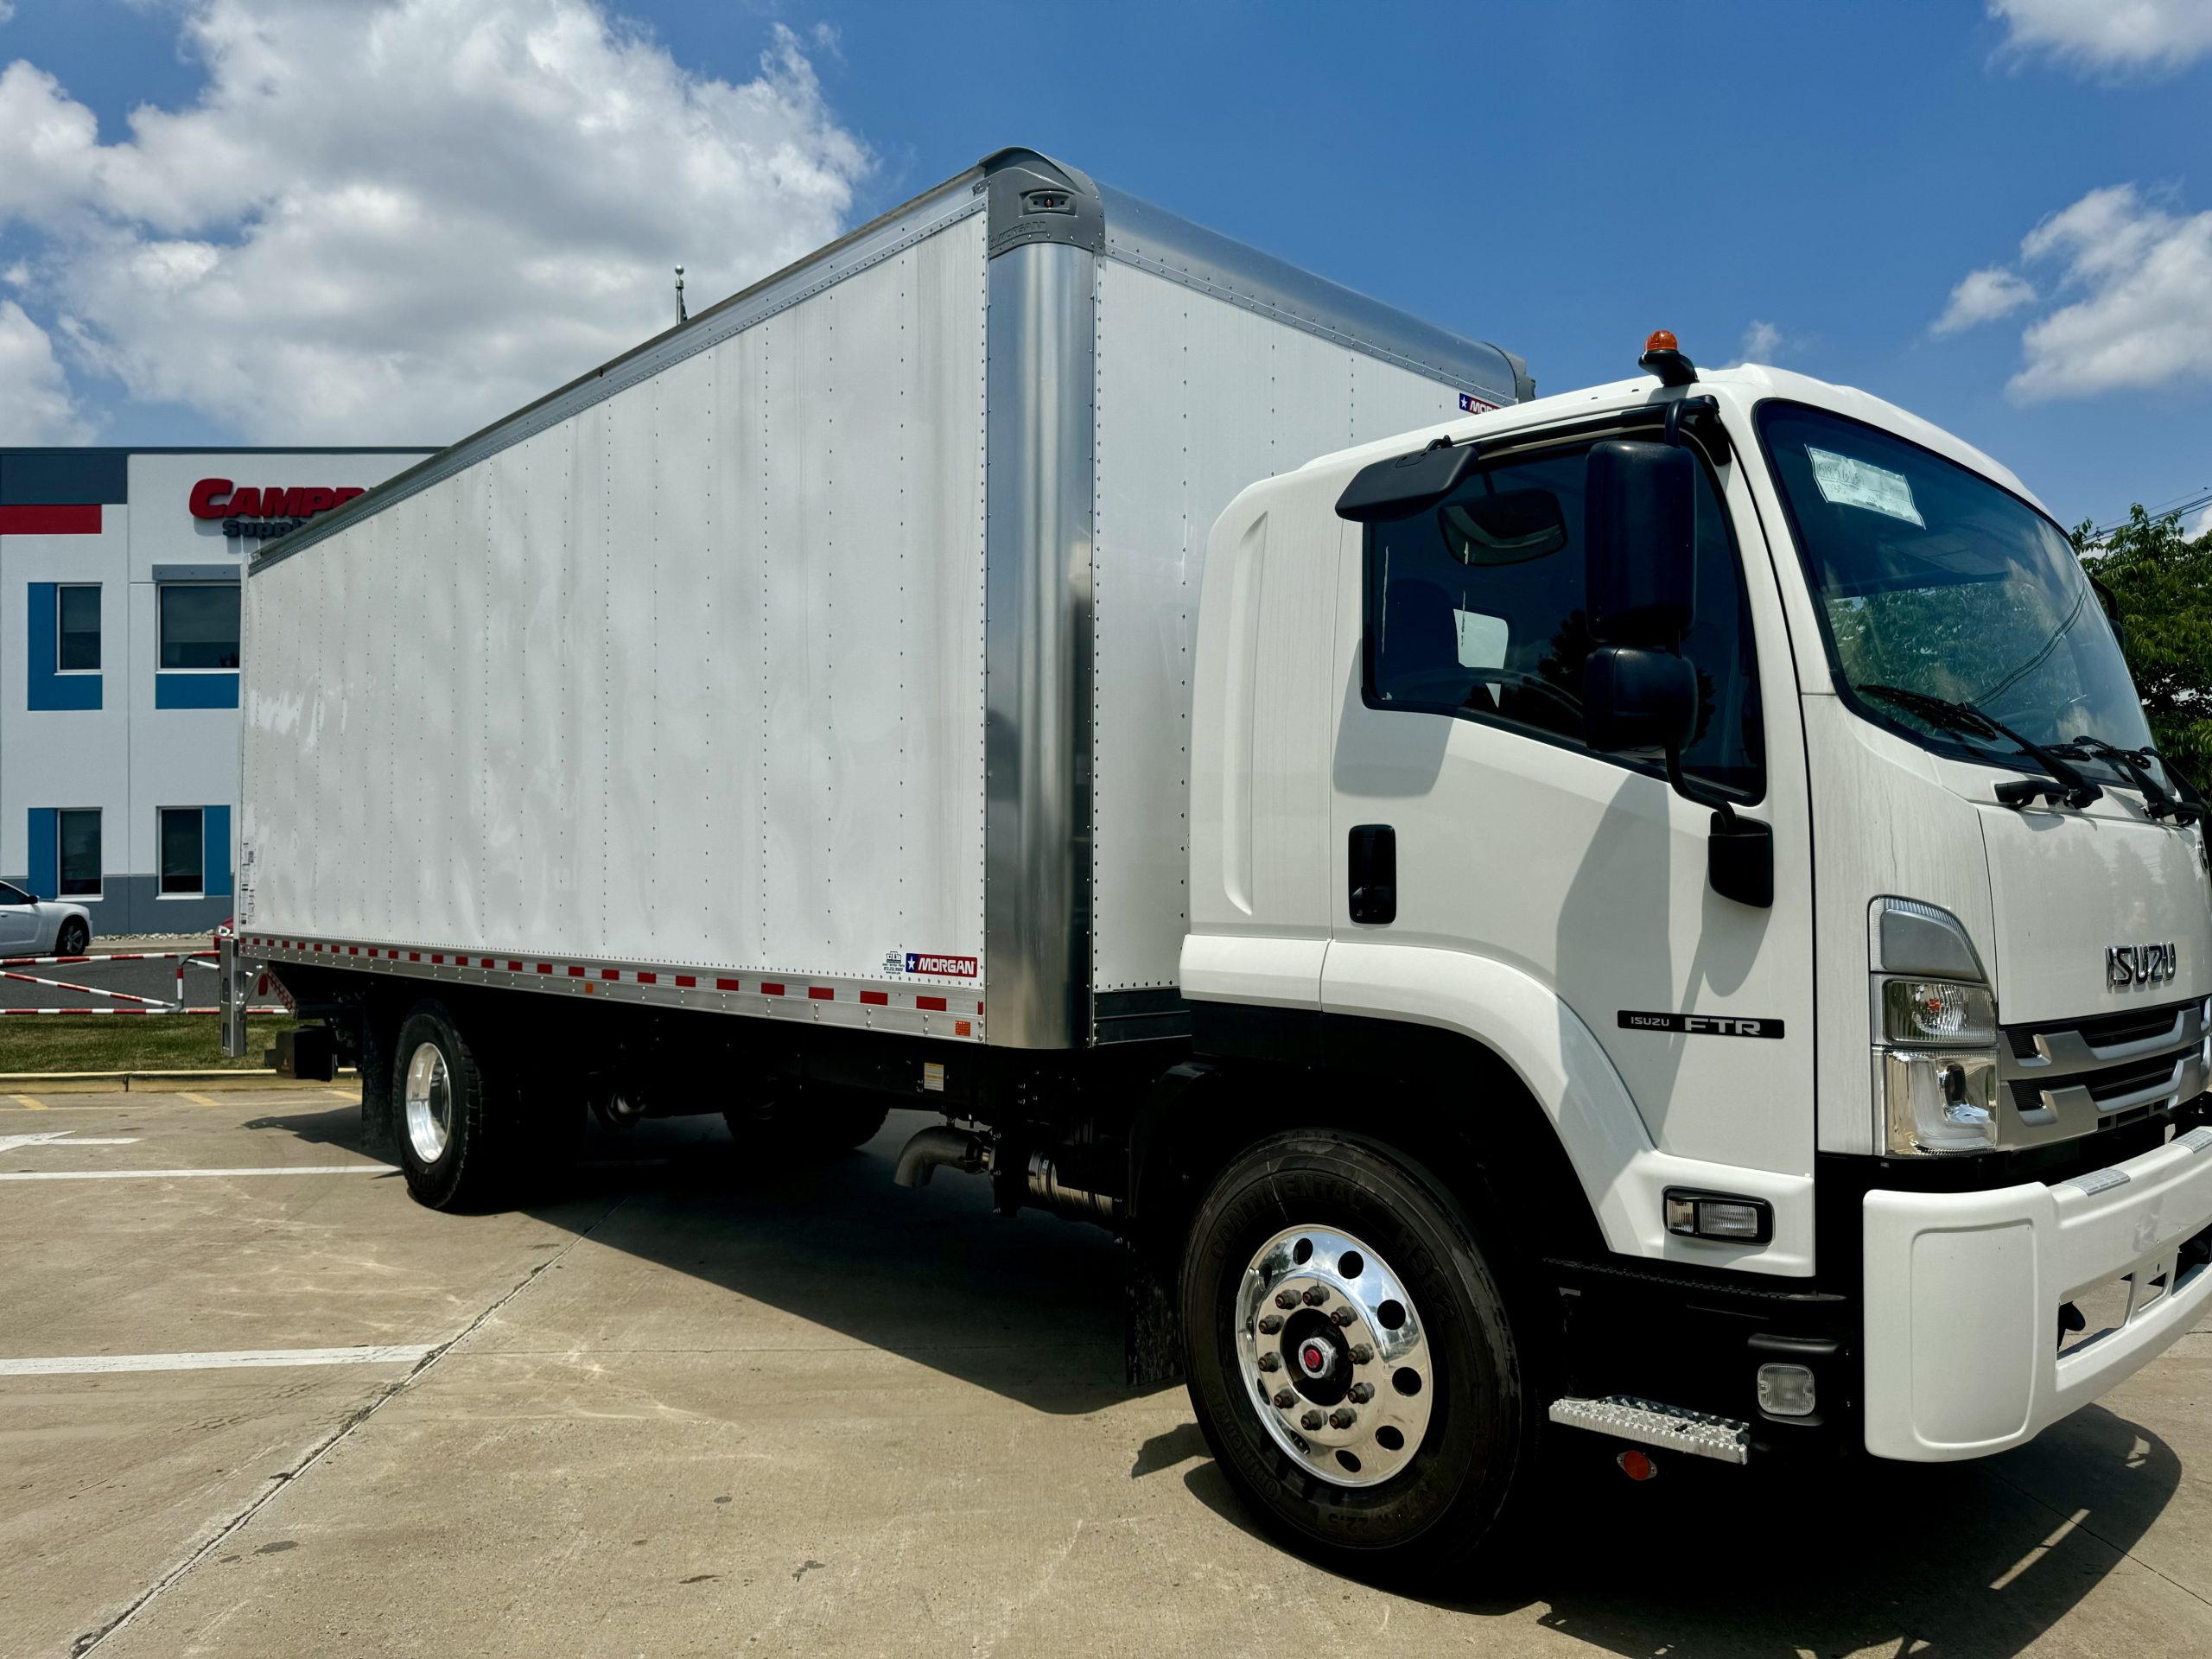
(1698, 421)
(1696, 793)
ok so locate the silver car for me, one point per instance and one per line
(38, 927)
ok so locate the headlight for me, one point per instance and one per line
(1921, 1011)
(1935, 1054)
(1940, 1100)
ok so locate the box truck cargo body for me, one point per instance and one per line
(1645, 915)
(832, 652)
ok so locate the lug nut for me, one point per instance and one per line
(1270, 1362)
(1343, 1417)
(1310, 1421)
(1343, 1316)
(1316, 1296)
(1361, 1393)
(1361, 1353)
(1270, 1324)
(1285, 1299)
(1285, 1399)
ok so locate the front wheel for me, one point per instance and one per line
(74, 939)
(1351, 1358)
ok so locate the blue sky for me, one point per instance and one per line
(1560, 178)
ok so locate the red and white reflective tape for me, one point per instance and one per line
(120, 956)
(89, 991)
(963, 1011)
(149, 1013)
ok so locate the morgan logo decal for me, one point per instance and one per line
(1700, 1024)
(1471, 404)
(2141, 964)
(943, 966)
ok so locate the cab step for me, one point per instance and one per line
(1650, 1423)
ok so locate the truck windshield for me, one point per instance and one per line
(1936, 586)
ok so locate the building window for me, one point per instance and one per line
(78, 629)
(184, 844)
(199, 625)
(79, 859)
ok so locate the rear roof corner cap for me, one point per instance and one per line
(1033, 199)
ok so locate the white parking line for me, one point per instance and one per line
(9, 1142)
(184, 1174)
(99, 1364)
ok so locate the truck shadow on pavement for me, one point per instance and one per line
(1976, 1559)
(1979, 1558)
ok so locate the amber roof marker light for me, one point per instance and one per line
(1662, 356)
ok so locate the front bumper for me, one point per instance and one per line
(1963, 1292)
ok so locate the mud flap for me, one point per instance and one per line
(1152, 1328)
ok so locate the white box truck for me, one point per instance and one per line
(1651, 912)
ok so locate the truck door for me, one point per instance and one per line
(1578, 881)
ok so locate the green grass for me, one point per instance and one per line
(178, 1042)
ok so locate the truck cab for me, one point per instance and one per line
(1716, 804)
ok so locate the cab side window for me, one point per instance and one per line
(1475, 609)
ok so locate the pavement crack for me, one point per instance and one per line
(285, 1479)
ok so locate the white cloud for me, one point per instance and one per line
(2110, 35)
(2143, 317)
(1984, 297)
(392, 223)
(1761, 340)
(2202, 526)
(7, 10)
(37, 407)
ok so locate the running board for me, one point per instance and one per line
(1647, 1423)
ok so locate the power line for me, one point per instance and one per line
(2184, 507)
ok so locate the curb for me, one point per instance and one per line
(124, 1082)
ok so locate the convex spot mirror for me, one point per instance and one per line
(1508, 527)
(1640, 544)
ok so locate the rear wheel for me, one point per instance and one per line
(1350, 1359)
(462, 1143)
(73, 939)
(817, 1120)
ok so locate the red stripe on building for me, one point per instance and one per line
(50, 521)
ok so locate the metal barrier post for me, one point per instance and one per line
(229, 997)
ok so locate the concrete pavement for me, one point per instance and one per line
(691, 1408)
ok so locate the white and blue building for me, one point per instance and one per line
(119, 572)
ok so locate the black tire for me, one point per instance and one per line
(820, 1121)
(75, 939)
(1472, 1469)
(483, 1154)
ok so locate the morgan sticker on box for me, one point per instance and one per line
(1471, 404)
(920, 962)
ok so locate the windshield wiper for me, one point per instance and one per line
(1967, 721)
(2156, 801)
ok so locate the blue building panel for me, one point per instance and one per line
(203, 690)
(44, 688)
(60, 478)
(45, 878)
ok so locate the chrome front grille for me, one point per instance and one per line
(2073, 1078)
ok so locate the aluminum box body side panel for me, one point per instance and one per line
(693, 677)
(1168, 245)
(1199, 398)
(1038, 645)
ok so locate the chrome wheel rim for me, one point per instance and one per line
(430, 1103)
(1336, 1356)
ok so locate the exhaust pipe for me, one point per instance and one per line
(940, 1144)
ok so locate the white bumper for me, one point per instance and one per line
(1963, 1291)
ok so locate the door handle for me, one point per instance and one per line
(1371, 873)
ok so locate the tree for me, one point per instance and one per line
(2163, 580)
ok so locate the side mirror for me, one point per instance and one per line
(1640, 544)
(1634, 698)
(2109, 602)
